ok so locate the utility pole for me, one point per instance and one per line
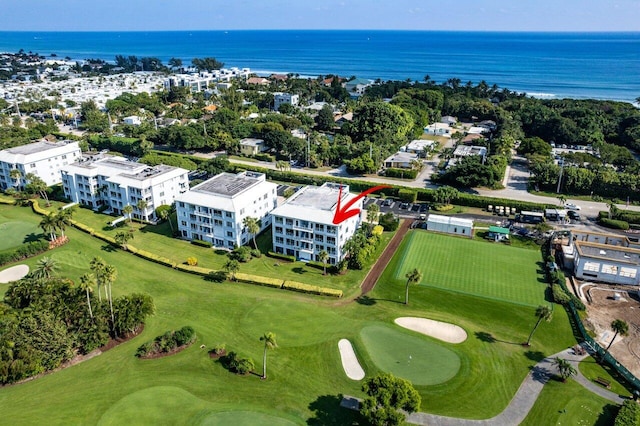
(560, 177)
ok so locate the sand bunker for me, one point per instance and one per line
(349, 361)
(444, 331)
(13, 274)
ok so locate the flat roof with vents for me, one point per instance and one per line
(227, 184)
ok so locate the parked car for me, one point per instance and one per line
(404, 206)
(424, 208)
(387, 202)
(415, 207)
(573, 215)
(571, 206)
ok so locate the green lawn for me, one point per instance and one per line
(305, 371)
(473, 267)
(592, 370)
(157, 239)
(421, 361)
(14, 230)
(570, 404)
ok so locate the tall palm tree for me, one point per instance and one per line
(49, 226)
(565, 368)
(109, 276)
(232, 266)
(38, 185)
(562, 199)
(45, 268)
(253, 227)
(123, 237)
(166, 215)
(323, 256)
(413, 277)
(269, 340)
(543, 312)
(127, 210)
(620, 327)
(372, 213)
(86, 284)
(16, 175)
(63, 218)
(142, 207)
(97, 265)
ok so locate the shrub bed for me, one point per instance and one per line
(201, 243)
(193, 269)
(614, 224)
(311, 289)
(256, 279)
(281, 256)
(25, 251)
(401, 173)
(168, 343)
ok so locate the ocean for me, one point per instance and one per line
(546, 65)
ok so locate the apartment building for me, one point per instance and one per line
(43, 158)
(280, 98)
(303, 226)
(215, 209)
(100, 179)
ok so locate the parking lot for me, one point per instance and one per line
(398, 208)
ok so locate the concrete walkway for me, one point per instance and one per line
(524, 398)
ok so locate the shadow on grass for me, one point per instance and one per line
(483, 336)
(608, 415)
(299, 270)
(108, 248)
(30, 238)
(327, 411)
(365, 300)
(536, 356)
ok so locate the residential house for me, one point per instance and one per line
(401, 160)
(252, 146)
(438, 129)
(280, 98)
(421, 147)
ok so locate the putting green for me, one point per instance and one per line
(174, 405)
(413, 358)
(14, 232)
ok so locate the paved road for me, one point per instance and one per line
(517, 176)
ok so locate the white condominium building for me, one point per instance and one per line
(100, 179)
(43, 159)
(214, 210)
(303, 226)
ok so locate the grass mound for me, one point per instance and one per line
(418, 360)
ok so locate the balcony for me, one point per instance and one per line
(201, 214)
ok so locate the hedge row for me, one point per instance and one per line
(23, 252)
(401, 173)
(311, 289)
(202, 243)
(281, 256)
(256, 279)
(193, 269)
(614, 224)
(152, 257)
(10, 201)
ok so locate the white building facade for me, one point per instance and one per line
(44, 159)
(450, 225)
(214, 210)
(303, 226)
(115, 182)
(280, 98)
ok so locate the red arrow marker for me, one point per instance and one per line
(343, 213)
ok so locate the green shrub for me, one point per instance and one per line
(25, 251)
(559, 295)
(185, 335)
(198, 270)
(256, 279)
(153, 257)
(256, 253)
(614, 224)
(218, 349)
(389, 222)
(216, 276)
(282, 256)
(408, 195)
(201, 243)
(311, 289)
(145, 349)
(264, 157)
(241, 254)
(629, 414)
(192, 261)
(401, 173)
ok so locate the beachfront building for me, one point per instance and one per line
(102, 181)
(280, 98)
(44, 159)
(303, 226)
(450, 225)
(199, 82)
(214, 210)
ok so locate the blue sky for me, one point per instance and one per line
(480, 15)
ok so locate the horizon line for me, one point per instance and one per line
(331, 29)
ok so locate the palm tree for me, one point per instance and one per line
(109, 276)
(613, 209)
(17, 175)
(372, 213)
(269, 340)
(97, 265)
(45, 268)
(413, 277)
(565, 368)
(166, 215)
(562, 199)
(232, 266)
(49, 226)
(542, 313)
(63, 218)
(323, 256)
(127, 210)
(86, 283)
(38, 185)
(123, 237)
(253, 227)
(142, 207)
(620, 327)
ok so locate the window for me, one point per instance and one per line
(228, 214)
(591, 266)
(181, 204)
(162, 194)
(64, 157)
(217, 222)
(32, 165)
(278, 229)
(628, 272)
(229, 224)
(229, 234)
(609, 269)
(183, 223)
(279, 240)
(279, 220)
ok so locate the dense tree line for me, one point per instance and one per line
(46, 320)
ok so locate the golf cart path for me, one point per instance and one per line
(524, 398)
